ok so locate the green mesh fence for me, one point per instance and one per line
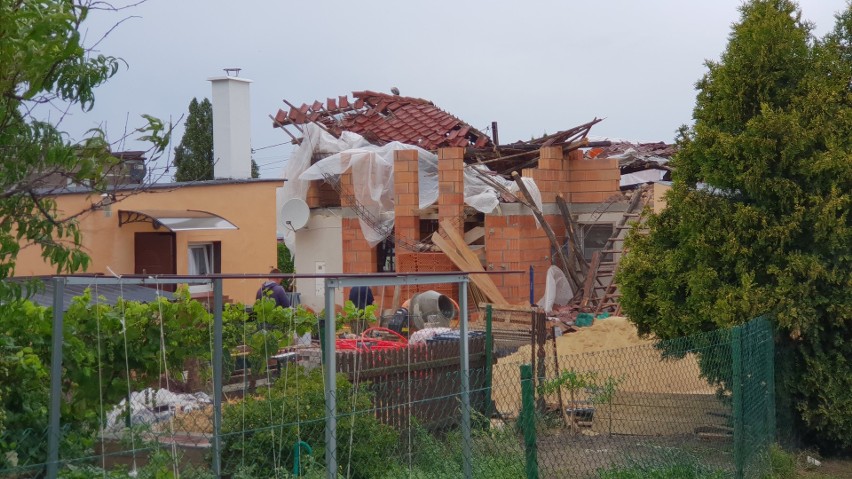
(700, 406)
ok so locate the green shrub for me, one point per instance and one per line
(782, 464)
(262, 430)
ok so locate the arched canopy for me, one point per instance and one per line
(176, 220)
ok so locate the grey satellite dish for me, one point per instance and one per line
(295, 213)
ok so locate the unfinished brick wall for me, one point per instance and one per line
(591, 181)
(451, 186)
(514, 243)
(552, 174)
(314, 195)
(406, 196)
(577, 179)
(358, 255)
(428, 262)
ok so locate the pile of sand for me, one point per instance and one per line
(610, 348)
(604, 334)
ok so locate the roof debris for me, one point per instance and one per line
(382, 118)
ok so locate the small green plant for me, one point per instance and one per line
(782, 464)
(356, 318)
(572, 381)
(604, 393)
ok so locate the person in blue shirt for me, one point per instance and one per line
(361, 296)
(273, 290)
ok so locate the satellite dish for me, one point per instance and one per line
(295, 213)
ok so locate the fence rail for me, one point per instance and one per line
(420, 381)
(703, 402)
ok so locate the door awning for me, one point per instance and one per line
(176, 220)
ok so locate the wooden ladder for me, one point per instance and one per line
(601, 291)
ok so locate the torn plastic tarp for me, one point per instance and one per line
(372, 179)
(314, 140)
(557, 290)
(642, 177)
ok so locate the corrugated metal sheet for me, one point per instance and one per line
(108, 293)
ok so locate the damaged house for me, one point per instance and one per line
(395, 184)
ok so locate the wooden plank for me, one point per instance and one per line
(590, 279)
(458, 241)
(571, 227)
(508, 307)
(474, 234)
(396, 293)
(483, 282)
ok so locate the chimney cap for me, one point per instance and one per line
(226, 78)
(235, 71)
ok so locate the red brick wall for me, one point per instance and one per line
(514, 243)
(592, 181)
(406, 196)
(451, 186)
(552, 174)
(358, 256)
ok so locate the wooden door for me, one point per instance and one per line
(154, 253)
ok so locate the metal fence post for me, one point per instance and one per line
(464, 351)
(528, 421)
(330, 364)
(489, 362)
(217, 377)
(737, 392)
(770, 380)
(53, 434)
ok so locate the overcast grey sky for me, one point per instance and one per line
(534, 67)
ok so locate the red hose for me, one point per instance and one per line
(402, 338)
(366, 343)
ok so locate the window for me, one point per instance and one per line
(385, 255)
(594, 237)
(201, 258)
(204, 258)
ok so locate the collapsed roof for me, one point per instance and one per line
(639, 163)
(381, 118)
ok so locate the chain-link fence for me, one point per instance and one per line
(136, 397)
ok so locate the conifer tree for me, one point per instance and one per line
(759, 218)
(194, 154)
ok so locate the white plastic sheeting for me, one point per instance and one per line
(372, 178)
(557, 290)
(315, 139)
(641, 177)
(151, 406)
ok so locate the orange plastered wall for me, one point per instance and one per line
(249, 249)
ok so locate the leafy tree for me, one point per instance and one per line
(45, 62)
(759, 218)
(194, 154)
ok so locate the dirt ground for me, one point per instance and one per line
(829, 469)
(577, 455)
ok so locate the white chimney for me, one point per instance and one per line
(231, 127)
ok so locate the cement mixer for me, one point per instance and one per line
(429, 309)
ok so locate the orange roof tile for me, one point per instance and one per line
(383, 118)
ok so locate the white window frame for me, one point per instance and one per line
(208, 249)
